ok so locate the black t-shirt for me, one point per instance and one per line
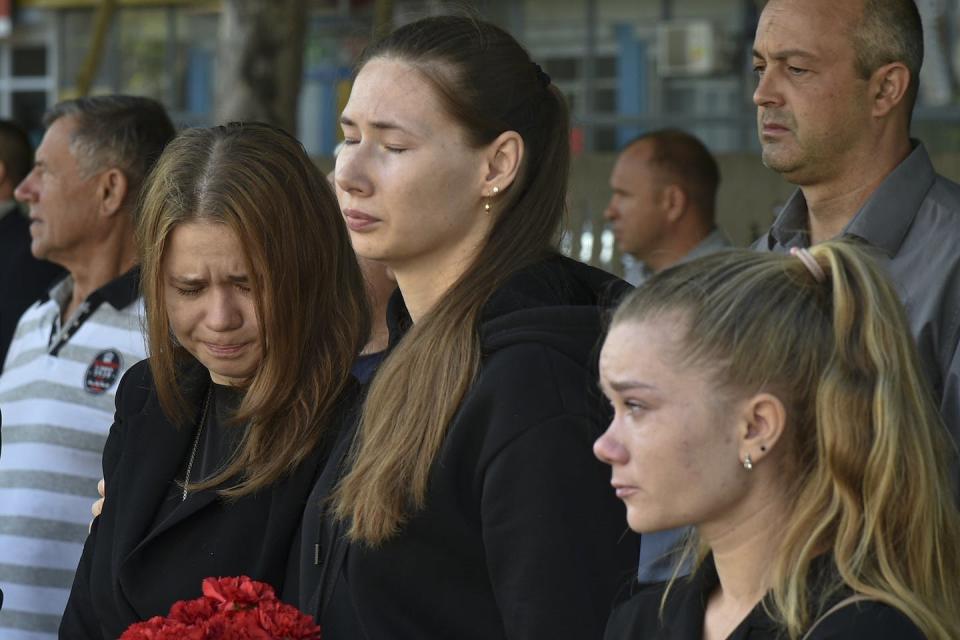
(218, 441)
(683, 614)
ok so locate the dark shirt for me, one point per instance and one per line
(23, 278)
(217, 443)
(366, 365)
(639, 617)
(911, 224)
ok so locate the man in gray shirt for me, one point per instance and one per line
(663, 202)
(836, 85)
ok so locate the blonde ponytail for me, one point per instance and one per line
(869, 454)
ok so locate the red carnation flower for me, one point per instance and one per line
(236, 608)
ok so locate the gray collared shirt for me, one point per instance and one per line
(637, 273)
(912, 221)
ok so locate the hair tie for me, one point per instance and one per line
(542, 76)
(809, 262)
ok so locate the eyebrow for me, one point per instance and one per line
(627, 385)
(193, 282)
(787, 53)
(383, 125)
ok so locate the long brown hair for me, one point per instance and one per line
(489, 85)
(868, 453)
(258, 182)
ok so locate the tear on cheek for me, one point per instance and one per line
(692, 459)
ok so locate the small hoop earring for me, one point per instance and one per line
(747, 463)
(486, 207)
(496, 190)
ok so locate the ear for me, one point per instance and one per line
(502, 160)
(763, 421)
(674, 201)
(112, 191)
(888, 86)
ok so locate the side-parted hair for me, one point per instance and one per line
(688, 162)
(116, 131)
(868, 454)
(890, 31)
(258, 182)
(488, 84)
(16, 152)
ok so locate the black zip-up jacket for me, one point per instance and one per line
(521, 536)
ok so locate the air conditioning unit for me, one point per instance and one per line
(689, 48)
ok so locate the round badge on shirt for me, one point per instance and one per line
(103, 372)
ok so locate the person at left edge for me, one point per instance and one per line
(255, 311)
(70, 349)
(23, 278)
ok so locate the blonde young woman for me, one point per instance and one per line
(467, 503)
(255, 312)
(776, 403)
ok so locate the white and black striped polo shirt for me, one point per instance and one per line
(57, 401)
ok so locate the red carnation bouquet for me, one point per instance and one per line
(234, 608)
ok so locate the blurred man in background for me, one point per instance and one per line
(663, 206)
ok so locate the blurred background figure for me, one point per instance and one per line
(664, 202)
(70, 349)
(23, 278)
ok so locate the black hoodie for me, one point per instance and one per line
(521, 535)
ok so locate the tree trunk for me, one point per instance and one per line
(260, 61)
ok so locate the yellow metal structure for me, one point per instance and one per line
(93, 4)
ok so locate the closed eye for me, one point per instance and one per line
(635, 406)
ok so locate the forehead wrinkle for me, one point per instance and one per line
(838, 19)
(382, 91)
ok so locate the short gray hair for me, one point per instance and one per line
(890, 31)
(116, 131)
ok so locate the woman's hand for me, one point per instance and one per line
(97, 506)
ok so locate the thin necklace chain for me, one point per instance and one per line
(196, 442)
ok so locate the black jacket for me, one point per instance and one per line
(131, 567)
(23, 278)
(521, 536)
(685, 609)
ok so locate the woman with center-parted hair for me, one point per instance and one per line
(776, 403)
(255, 313)
(467, 503)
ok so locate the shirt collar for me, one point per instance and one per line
(123, 291)
(8, 207)
(884, 218)
(685, 607)
(119, 292)
(711, 243)
(685, 612)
